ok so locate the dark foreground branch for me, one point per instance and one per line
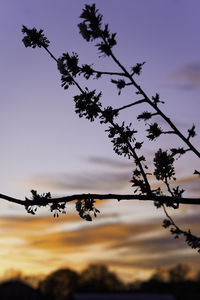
(42, 201)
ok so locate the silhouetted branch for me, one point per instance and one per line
(106, 73)
(141, 92)
(131, 104)
(135, 156)
(119, 197)
(74, 81)
(192, 240)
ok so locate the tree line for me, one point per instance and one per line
(97, 278)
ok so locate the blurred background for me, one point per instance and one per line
(46, 147)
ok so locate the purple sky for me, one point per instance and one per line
(45, 145)
(37, 115)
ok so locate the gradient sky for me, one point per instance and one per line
(45, 146)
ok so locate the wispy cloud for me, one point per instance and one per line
(187, 77)
(110, 162)
(87, 181)
(189, 183)
(125, 241)
(132, 247)
(101, 181)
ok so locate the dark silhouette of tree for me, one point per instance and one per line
(60, 284)
(18, 290)
(97, 278)
(179, 273)
(197, 277)
(123, 136)
(159, 275)
(175, 281)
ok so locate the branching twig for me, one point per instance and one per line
(141, 92)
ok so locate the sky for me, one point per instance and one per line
(46, 147)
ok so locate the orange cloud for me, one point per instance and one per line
(43, 244)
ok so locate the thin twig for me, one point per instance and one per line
(75, 82)
(131, 104)
(107, 73)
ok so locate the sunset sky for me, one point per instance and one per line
(45, 146)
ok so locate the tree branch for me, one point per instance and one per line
(107, 73)
(118, 197)
(74, 81)
(141, 91)
(131, 104)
